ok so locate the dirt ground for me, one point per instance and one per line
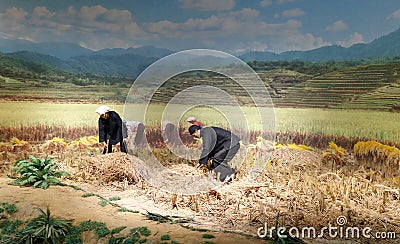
(68, 203)
(306, 191)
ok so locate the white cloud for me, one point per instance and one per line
(339, 25)
(235, 22)
(297, 41)
(12, 21)
(291, 13)
(353, 39)
(112, 26)
(97, 27)
(265, 3)
(207, 5)
(394, 15)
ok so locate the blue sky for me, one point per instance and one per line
(233, 26)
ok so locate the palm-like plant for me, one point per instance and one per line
(46, 229)
(36, 172)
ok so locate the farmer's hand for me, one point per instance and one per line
(104, 144)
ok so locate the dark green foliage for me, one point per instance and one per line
(9, 227)
(144, 231)
(117, 230)
(208, 236)
(99, 227)
(46, 229)
(128, 241)
(167, 218)
(165, 237)
(102, 232)
(10, 208)
(174, 242)
(74, 238)
(137, 233)
(116, 240)
(36, 172)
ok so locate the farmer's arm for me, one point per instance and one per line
(102, 132)
(208, 144)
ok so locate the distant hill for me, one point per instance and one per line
(41, 59)
(385, 46)
(10, 64)
(145, 51)
(131, 61)
(63, 50)
(369, 86)
(73, 58)
(126, 65)
(60, 50)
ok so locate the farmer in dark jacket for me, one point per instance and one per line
(219, 145)
(110, 129)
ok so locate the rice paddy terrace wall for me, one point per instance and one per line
(356, 87)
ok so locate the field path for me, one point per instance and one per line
(68, 203)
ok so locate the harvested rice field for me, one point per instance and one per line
(310, 195)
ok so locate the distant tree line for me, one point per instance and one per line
(317, 68)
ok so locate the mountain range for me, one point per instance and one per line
(131, 61)
(385, 46)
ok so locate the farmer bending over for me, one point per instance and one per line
(110, 129)
(219, 145)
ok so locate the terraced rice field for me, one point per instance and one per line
(339, 88)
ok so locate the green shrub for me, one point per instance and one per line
(117, 230)
(144, 231)
(36, 172)
(114, 198)
(88, 195)
(45, 229)
(165, 237)
(123, 209)
(9, 207)
(208, 236)
(99, 227)
(9, 227)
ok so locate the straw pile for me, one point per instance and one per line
(306, 193)
(107, 169)
(296, 183)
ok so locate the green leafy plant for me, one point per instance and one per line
(36, 172)
(99, 227)
(10, 208)
(88, 195)
(116, 198)
(123, 209)
(9, 227)
(117, 230)
(208, 236)
(45, 229)
(165, 237)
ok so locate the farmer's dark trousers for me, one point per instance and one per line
(109, 148)
(221, 159)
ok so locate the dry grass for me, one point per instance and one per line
(306, 190)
